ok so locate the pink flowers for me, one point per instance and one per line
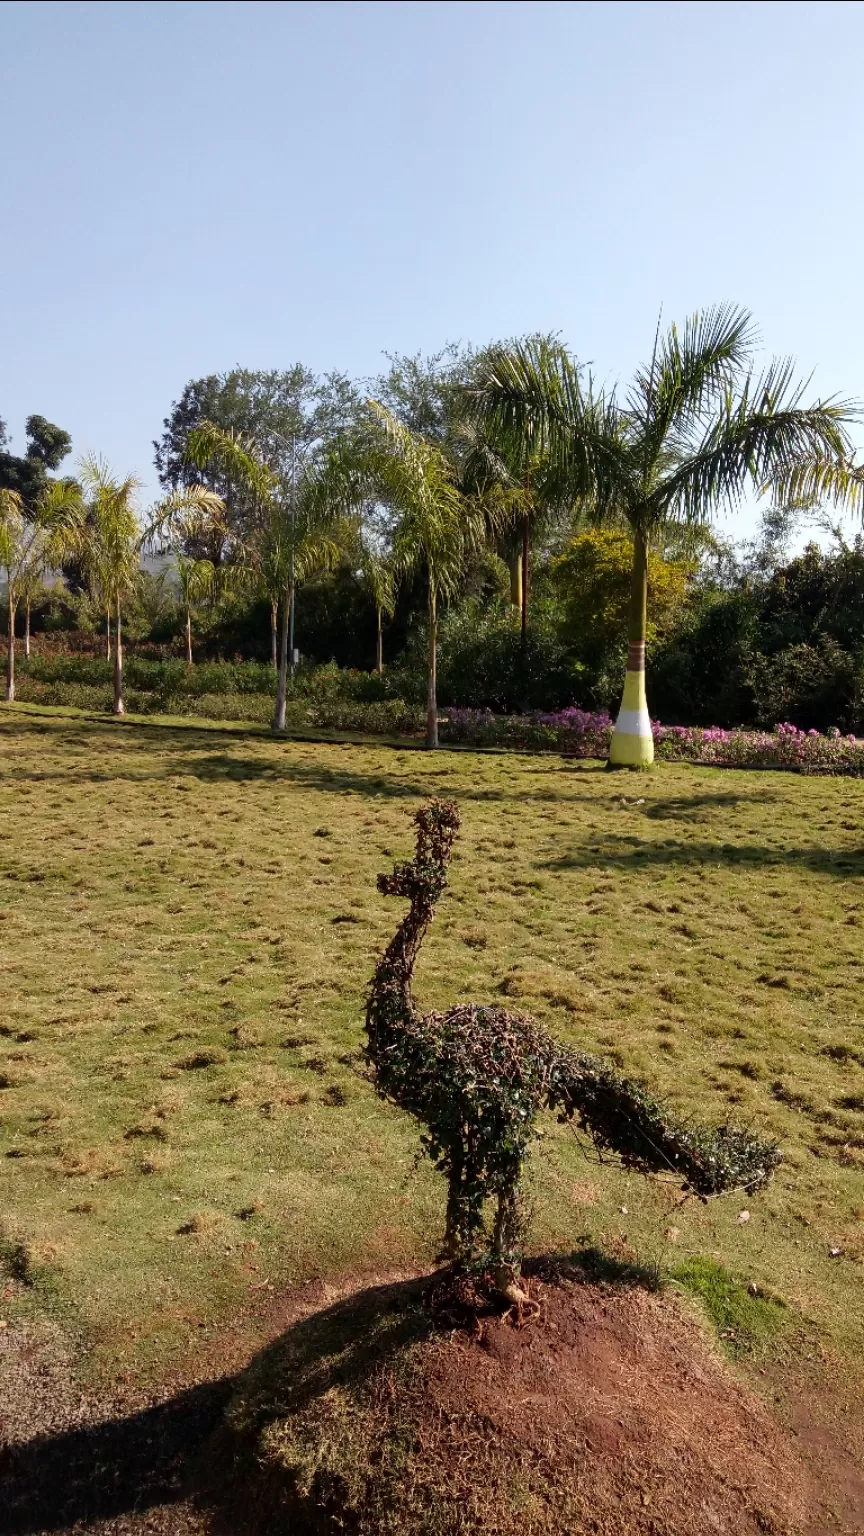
(583, 733)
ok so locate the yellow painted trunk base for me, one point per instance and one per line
(632, 744)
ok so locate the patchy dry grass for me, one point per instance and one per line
(189, 920)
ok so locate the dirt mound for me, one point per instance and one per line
(607, 1414)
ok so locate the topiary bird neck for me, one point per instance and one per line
(391, 1005)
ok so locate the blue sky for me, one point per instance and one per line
(193, 186)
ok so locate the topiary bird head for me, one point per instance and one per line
(424, 877)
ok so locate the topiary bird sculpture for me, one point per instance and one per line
(477, 1077)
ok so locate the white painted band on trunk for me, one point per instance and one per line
(634, 722)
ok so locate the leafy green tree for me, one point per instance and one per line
(27, 474)
(30, 545)
(697, 427)
(593, 576)
(422, 392)
(278, 415)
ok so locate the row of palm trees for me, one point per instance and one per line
(94, 521)
(535, 439)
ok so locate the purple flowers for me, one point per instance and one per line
(583, 733)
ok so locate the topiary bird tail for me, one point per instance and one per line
(621, 1116)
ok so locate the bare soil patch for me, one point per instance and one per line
(608, 1414)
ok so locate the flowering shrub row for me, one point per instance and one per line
(581, 733)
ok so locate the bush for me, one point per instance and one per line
(481, 662)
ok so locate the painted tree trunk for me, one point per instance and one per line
(516, 581)
(525, 552)
(27, 630)
(108, 633)
(282, 685)
(632, 743)
(432, 690)
(188, 637)
(379, 646)
(10, 657)
(118, 663)
(274, 627)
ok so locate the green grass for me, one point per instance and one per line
(189, 921)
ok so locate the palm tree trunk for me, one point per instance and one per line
(379, 646)
(274, 621)
(118, 664)
(10, 658)
(632, 743)
(188, 636)
(108, 633)
(27, 630)
(432, 692)
(526, 527)
(282, 686)
(516, 581)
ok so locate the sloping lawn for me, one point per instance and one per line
(189, 921)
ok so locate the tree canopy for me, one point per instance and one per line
(27, 474)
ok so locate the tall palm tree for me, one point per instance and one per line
(379, 577)
(109, 540)
(30, 545)
(290, 539)
(528, 488)
(110, 544)
(194, 514)
(197, 580)
(436, 525)
(697, 427)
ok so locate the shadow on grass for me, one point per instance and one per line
(182, 1449)
(105, 1469)
(634, 855)
(183, 750)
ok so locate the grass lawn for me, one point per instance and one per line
(189, 921)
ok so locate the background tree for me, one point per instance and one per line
(378, 575)
(109, 540)
(30, 545)
(697, 428)
(539, 498)
(276, 414)
(287, 538)
(435, 525)
(198, 584)
(27, 474)
(593, 579)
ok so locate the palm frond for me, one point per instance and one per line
(761, 433)
(182, 515)
(811, 480)
(688, 370)
(211, 447)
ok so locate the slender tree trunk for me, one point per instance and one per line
(27, 630)
(516, 581)
(118, 663)
(379, 646)
(526, 530)
(282, 685)
(10, 659)
(108, 633)
(432, 693)
(188, 636)
(274, 622)
(632, 743)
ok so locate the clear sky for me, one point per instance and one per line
(190, 186)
